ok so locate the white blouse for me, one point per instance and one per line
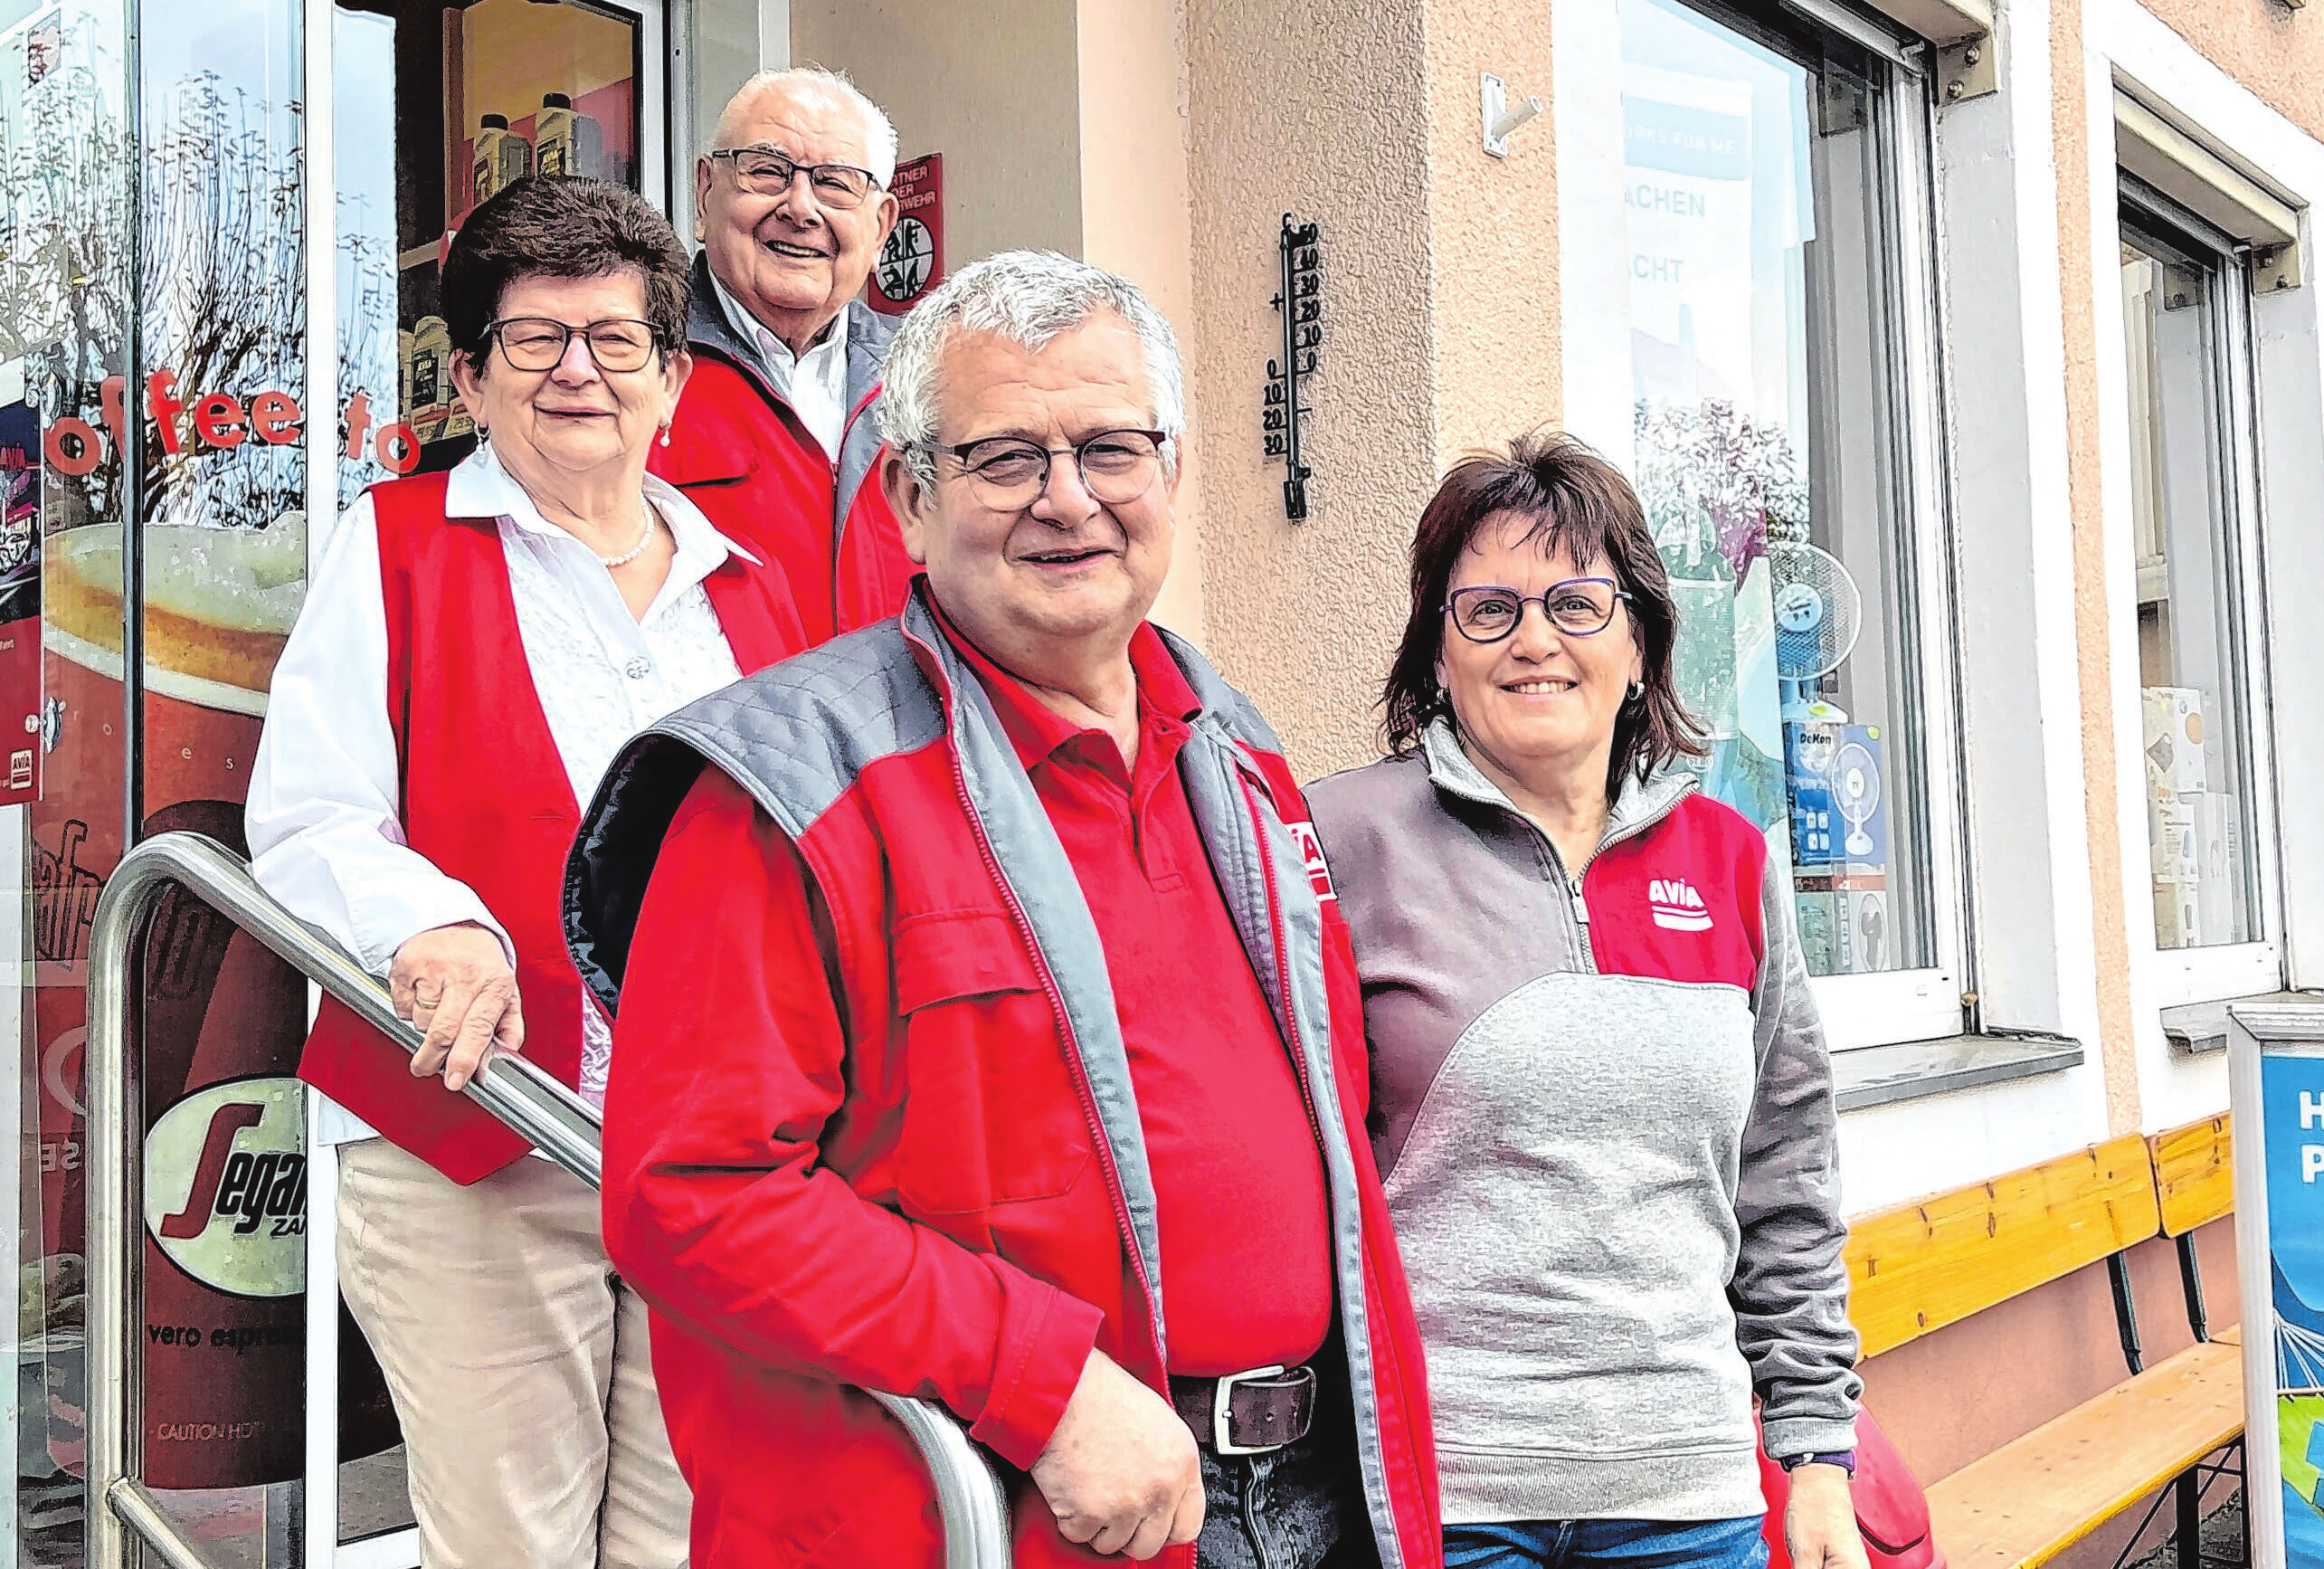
(324, 815)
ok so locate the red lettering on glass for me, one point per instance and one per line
(218, 421)
(397, 448)
(163, 406)
(275, 417)
(83, 458)
(358, 424)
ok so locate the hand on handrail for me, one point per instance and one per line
(454, 984)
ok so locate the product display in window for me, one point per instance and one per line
(479, 96)
(2192, 707)
(1766, 455)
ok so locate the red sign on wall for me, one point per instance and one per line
(912, 262)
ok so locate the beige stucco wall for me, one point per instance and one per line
(1440, 311)
(1319, 107)
(2275, 50)
(1493, 223)
(1135, 216)
(988, 83)
(2109, 896)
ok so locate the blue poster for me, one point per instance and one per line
(2291, 1094)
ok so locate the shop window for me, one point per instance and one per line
(1774, 186)
(2190, 382)
(438, 106)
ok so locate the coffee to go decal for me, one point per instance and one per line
(185, 421)
(226, 1186)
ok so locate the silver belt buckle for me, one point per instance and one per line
(1219, 1409)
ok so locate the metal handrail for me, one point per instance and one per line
(560, 1123)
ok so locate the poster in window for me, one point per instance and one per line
(911, 261)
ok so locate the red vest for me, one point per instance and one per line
(487, 800)
(740, 454)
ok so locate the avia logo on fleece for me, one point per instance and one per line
(1678, 905)
(1311, 851)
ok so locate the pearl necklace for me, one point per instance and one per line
(634, 551)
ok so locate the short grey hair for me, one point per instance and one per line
(1029, 298)
(878, 131)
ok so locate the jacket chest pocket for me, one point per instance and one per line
(991, 1115)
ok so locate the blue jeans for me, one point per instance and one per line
(1608, 1544)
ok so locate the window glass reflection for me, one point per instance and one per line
(2190, 670)
(1761, 336)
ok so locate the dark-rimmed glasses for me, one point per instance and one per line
(764, 172)
(537, 343)
(1580, 607)
(1010, 471)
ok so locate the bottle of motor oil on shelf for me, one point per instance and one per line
(502, 156)
(432, 383)
(566, 141)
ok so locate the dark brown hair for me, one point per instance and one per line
(1579, 503)
(561, 226)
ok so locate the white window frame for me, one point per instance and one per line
(1868, 1010)
(2201, 975)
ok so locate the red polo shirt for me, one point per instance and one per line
(1238, 1184)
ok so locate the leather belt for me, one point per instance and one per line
(1251, 1412)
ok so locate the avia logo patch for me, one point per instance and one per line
(1676, 905)
(1311, 851)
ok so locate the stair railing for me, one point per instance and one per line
(123, 1511)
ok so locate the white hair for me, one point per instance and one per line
(1029, 298)
(879, 132)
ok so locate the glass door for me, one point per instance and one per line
(162, 377)
(436, 107)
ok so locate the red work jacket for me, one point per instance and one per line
(943, 1193)
(740, 453)
(485, 797)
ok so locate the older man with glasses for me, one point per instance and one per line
(775, 440)
(991, 1034)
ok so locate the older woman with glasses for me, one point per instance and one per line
(1601, 1102)
(475, 647)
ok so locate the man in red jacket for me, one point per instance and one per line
(774, 439)
(988, 1034)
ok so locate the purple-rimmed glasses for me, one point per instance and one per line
(1489, 612)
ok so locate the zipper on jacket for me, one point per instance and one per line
(1104, 1146)
(1308, 1097)
(1570, 883)
(1581, 906)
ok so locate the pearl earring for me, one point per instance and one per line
(664, 435)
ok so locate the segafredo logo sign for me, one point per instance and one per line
(1676, 905)
(226, 1186)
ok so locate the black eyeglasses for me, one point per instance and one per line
(1010, 471)
(1580, 607)
(765, 171)
(537, 343)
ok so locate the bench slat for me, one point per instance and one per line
(2195, 1168)
(1920, 1267)
(2032, 1498)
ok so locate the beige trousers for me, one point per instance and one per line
(519, 1364)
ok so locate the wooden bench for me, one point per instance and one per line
(1918, 1267)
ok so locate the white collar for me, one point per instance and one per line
(757, 334)
(481, 488)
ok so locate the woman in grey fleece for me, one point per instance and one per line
(1601, 1099)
